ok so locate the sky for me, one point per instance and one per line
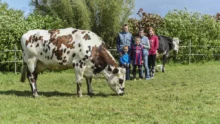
(161, 7)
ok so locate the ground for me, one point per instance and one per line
(183, 94)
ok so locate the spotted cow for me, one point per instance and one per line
(68, 48)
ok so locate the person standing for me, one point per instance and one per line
(124, 38)
(137, 57)
(125, 62)
(154, 42)
(146, 45)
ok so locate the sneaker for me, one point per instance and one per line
(147, 78)
(139, 79)
(135, 79)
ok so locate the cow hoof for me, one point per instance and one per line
(80, 95)
(91, 94)
(35, 95)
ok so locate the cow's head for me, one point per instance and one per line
(176, 44)
(116, 78)
(105, 62)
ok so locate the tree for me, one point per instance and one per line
(104, 17)
(147, 20)
(13, 25)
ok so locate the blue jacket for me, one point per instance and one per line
(124, 38)
(146, 44)
(125, 59)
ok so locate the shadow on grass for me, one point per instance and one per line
(29, 93)
(49, 94)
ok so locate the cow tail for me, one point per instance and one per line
(23, 72)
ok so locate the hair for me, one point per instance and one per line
(136, 37)
(125, 25)
(150, 28)
(141, 29)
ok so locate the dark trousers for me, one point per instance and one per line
(127, 72)
(139, 71)
(127, 68)
(151, 64)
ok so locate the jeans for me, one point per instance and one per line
(127, 72)
(146, 68)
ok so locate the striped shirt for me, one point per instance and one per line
(137, 54)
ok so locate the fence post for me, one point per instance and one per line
(190, 51)
(15, 60)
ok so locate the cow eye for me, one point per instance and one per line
(121, 81)
(109, 68)
(115, 71)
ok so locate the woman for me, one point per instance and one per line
(146, 45)
(154, 42)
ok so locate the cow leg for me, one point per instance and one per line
(79, 71)
(79, 84)
(89, 86)
(32, 75)
(32, 78)
(164, 62)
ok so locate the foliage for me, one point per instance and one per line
(103, 17)
(200, 31)
(13, 24)
(190, 95)
(147, 20)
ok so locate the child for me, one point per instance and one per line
(137, 57)
(125, 61)
(152, 51)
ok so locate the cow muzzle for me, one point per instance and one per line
(121, 91)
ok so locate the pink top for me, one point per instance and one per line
(154, 42)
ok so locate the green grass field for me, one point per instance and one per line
(184, 94)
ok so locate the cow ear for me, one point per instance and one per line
(123, 70)
(115, 71)
(109, 68)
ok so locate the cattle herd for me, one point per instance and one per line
(81, 50)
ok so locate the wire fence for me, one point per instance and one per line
(16, 58)
(17, 54)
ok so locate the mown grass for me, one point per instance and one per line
(185, 94)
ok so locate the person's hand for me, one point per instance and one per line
(142, 62)
(120, 53)
(127, 64)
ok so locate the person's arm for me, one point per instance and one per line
(142, 55)
(132, 40)
(129, 59)
(121, 60)
(147, 45)
(131, 54)
(131, 43)
(118, 44)
(156, 42)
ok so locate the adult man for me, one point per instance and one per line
(146, 45)
(124, 38)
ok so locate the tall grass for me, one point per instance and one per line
(184, 94)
